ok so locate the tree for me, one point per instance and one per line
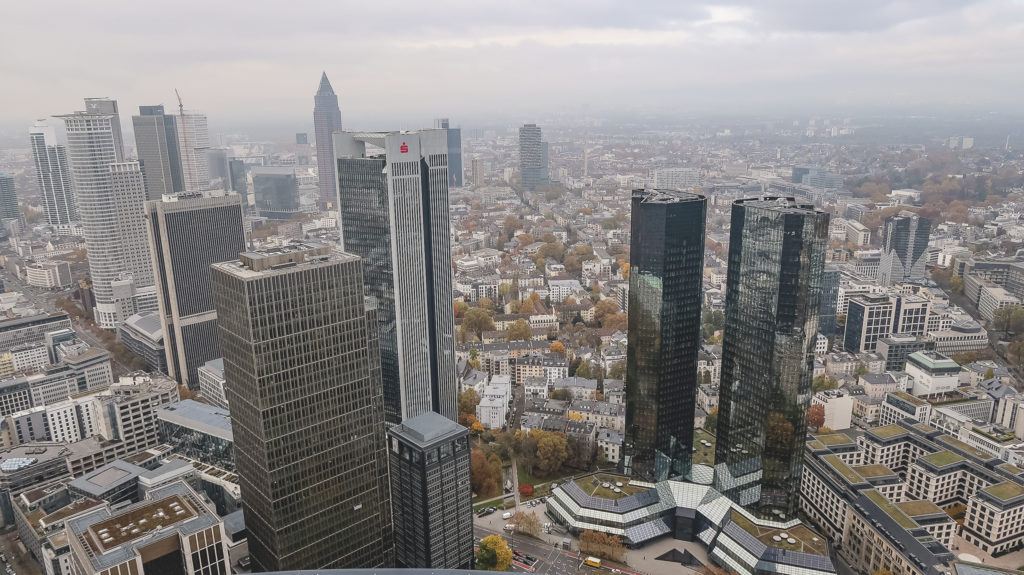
(552, 451)
(816, 416)
(476, 428)
(583, 370)
(617, 370)
(486, 303)
(526, 523)
(824, 383)
(525, 489)
(510, 225)
(624, 268)
(861, 370)
(468, 400)
(481, 475)
(609, 223)
(956, 285)
(519, 330)
(711, 421)
(552, 251)
(618, 321)
(524, 239)
(460, 308)
(605, 308)
(557, 347)
(1016, 350)
(529, 305)
(477, 321)
(561, 395)
(467, 419)
(493, 554)
(989, 373)
(826, 430)
(602, 545)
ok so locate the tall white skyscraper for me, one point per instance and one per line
(53, 175)
(393, 202)
(193, 143)
(110, 194)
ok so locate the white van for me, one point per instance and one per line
(506, 515)
(510, 527)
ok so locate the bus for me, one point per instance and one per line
(592, 561)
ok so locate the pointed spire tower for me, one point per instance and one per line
(326, 120)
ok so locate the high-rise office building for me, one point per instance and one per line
(533, 157)
(829, 301)
(773, 294)
(326, 121)
(904, 241)
(666, 271)
(193, 146)
(454, 152)
(8, 199)
(239, 183)
(110, 195)
(156, 141)
(129, 187)
(431, 496)
(478, 171)
(53, 175)
(302, 375)
(276, 192)
(188, 232)
(394, 214)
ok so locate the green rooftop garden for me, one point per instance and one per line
(834, 439)
(919, 508)
(887, 431)
(1004, 491)
(595, 485)
(703, 455)
(869, 471)
(891, 509)
(954, 442)
(843, 469)
(942, 458)
(806, 541)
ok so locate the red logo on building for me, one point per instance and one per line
(404, 149)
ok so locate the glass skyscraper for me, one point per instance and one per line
(773, 296)
(533, 157)
(303, 381)
(156, 141)
(666, 271)
(904, 241)
(394, 215)
(53, 175)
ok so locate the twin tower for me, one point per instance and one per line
(774, 286)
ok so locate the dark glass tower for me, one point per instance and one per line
(431, 497)
(904, 240)
(326, 121)
(829, 301)
(773, 294)
(666, 270)
(187, 233)
(302, 379)
(8, 199)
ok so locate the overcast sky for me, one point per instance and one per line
(395, 62)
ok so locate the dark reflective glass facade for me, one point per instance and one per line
(666, 270)
(773, 294)
(310, 445)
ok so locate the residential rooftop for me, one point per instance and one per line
(942, 458)
(887, 431)
(919, 508)
(833, 439)
(872, 471)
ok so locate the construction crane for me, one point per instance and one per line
(189, 154)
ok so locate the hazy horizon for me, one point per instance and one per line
(254, 65)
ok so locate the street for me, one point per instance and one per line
(16, 555)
